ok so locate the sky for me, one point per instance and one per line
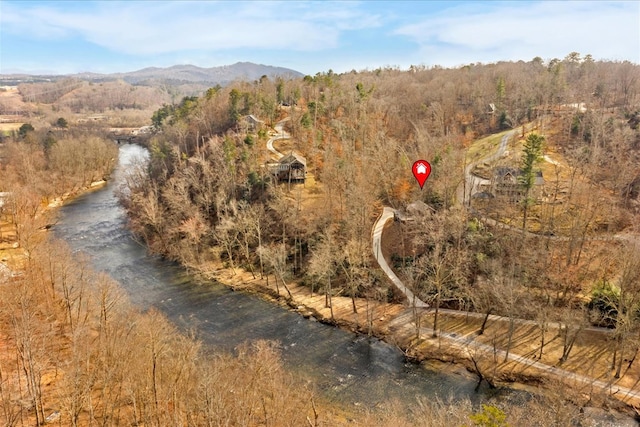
(61, 37)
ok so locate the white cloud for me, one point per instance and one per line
(148, 28)
(607, 30)
(314, 35)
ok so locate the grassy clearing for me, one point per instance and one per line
(484, 147)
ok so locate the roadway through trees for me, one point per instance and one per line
(469, 343)
(280, 135)
(466, 343)
(376, 232)
(350, 368)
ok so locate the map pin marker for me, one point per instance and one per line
(421, 170)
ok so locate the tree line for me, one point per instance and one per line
(206, 185)
(79, 96)
(205, 196)
(76, 352)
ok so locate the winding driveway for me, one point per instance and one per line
(376, 237)
(475, 349)
(468, 343)
(472, 182)
(280, 134)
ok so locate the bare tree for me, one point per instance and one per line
(323, 263)
(275, 255)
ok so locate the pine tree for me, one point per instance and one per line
(531, 156)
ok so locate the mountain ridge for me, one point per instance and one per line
(180, 73)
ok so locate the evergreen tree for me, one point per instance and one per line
(531, 156)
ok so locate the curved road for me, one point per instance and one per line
(280, 134)
(376, 237)
(468, 343)
(472, 182)
(388, 214)
(376, 232)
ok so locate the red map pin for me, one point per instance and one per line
(421, 170)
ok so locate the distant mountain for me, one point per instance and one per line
(182, 74)
(184, 80)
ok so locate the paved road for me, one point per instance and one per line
(472, 182)
(468, 343)
(388, 214)
(281, 134)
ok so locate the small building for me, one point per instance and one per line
(252, 123)
(291, 168)
(417, 209)
(506, 184)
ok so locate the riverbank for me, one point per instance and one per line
(457, 347)
(391, 322)
(11, 254)
(394, 323)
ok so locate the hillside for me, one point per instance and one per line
(174, 75)
(222, 75)
(516, 277)
(144, 89)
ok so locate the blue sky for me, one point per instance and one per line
(309, 36)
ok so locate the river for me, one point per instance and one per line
(345, 367)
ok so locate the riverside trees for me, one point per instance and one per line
(111, 364)
(360, 132)
(71, 343)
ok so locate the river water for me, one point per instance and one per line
(346, 367)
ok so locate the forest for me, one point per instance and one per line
(564, 257)
(207, 195)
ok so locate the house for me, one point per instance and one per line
(506, 184)
(291, 167)
(252, 123)
(417, 209)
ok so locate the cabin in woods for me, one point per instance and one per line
(290, 168)
(506, 184)
(251, 123)
(414, 210)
